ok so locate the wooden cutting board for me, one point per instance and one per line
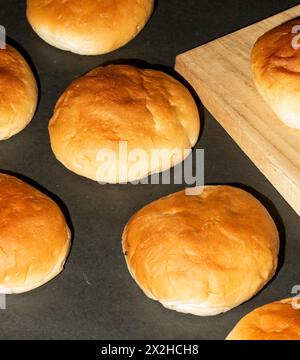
(220, 72)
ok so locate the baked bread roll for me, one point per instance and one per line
(122, 110)
(202, 254)
(88, 27)
(279, 320)
(18, 93)
(276, 69)
(34, 237)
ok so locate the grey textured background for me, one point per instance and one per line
(95, 297)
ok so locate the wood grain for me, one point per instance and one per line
(221, 74)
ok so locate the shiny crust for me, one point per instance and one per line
(276, 69)
(18, 93)
(276, 321)
(147, 108)
(88, 27)
(202, 254)
(34, 237)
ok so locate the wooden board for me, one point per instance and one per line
(220, 73)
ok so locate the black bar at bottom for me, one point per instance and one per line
(136, 349)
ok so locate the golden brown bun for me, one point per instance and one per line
(34, 237)
(18, 93)
(276, 321)
(202, 254)
(276, 69)
(147, 108)
(88, 27)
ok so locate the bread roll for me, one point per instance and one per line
(146, 109)
(279, 320)
(202, 254)
(88, 27)
(34, 237)
(276, 69)
(18, 93)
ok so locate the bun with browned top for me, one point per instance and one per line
(34, 237)
(18, 93)
(276, 68)
(279, 320)
(121, 109)
(88, 27)
(202, 254)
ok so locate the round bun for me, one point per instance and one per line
(279, 320)
(34, 237)
(88, 27)
(276, 69)
(18, 93)
(123, 110)
(202, 254)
